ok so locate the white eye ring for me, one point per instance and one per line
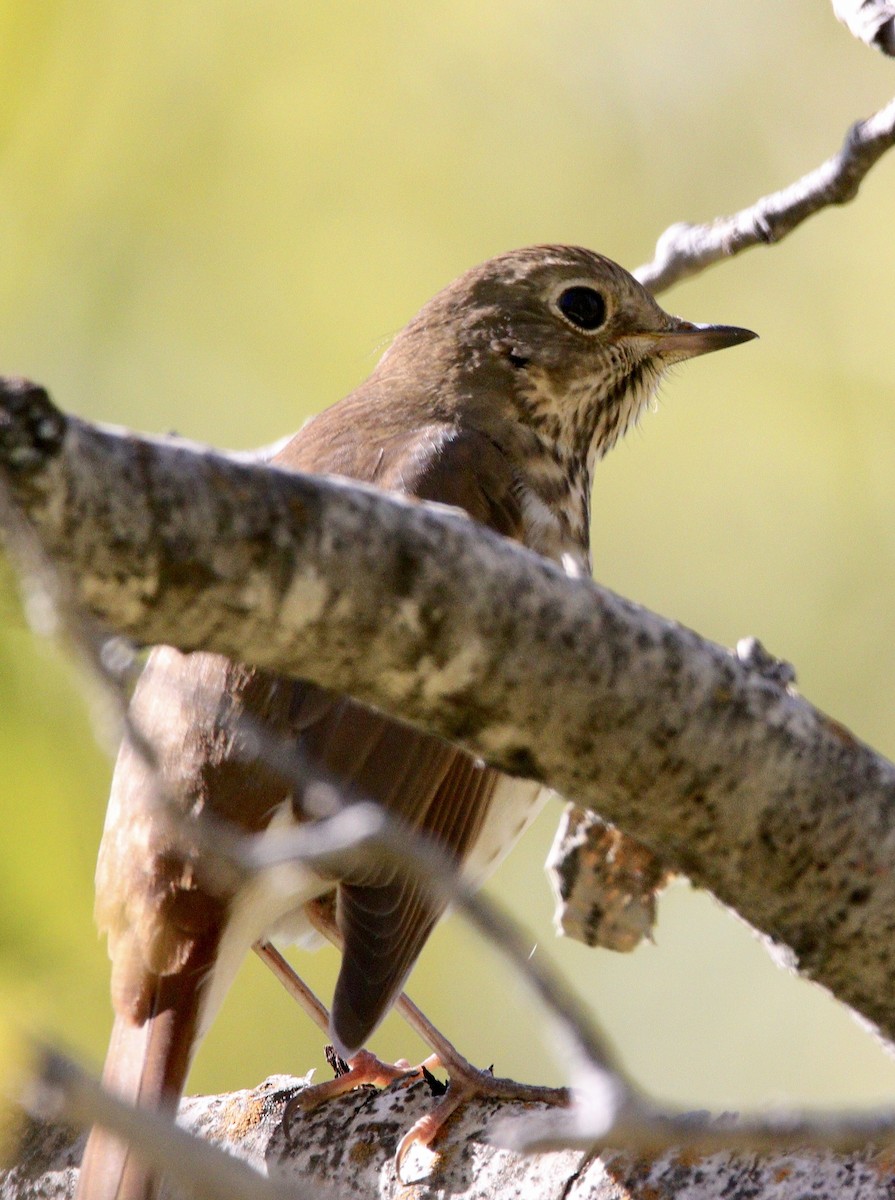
(580, 305)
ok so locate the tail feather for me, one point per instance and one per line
(146, 1066)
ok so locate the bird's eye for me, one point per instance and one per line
(583, 307)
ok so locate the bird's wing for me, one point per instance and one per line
(384, 915)
(153, 896)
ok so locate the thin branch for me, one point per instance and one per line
(643, 1130)
(684, 250)
(871, 21)
(363, 831)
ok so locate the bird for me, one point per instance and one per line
(498, 398)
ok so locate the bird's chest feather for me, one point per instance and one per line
(554, 499)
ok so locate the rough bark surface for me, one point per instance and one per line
(348, 1145)
(722, 770)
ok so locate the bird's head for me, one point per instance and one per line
(559, 337)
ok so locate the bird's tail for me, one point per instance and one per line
(146, 1066)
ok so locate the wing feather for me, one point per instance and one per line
(385, 916)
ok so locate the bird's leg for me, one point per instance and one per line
(465, 1082)
(362, 1068)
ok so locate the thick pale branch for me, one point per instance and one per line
(684, 250)
(725, 772)
(350, 1141)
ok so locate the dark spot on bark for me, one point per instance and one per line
(297, 512)
(592, 925)
(567, 638)
(405, 572)
(521, 761)
(195, 577)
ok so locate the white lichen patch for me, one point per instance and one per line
(498, 739)
(575, 565)
(257, 595)
(407, 616)
(127, 598)
(458, 673)
(304, 601)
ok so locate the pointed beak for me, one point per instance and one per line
(683, 339)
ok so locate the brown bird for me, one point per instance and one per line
(497, 398)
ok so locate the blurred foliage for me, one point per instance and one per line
(212, 217)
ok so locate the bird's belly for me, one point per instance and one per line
(560, 540)
(514, 805)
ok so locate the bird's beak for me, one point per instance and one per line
(683, 339)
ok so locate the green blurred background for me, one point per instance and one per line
(213, 215)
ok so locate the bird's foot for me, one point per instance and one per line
(362, 1068)
(465, 1083)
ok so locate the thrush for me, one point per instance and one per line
(498, 398)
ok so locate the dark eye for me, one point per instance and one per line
(584, 307)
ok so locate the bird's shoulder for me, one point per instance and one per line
(403, 446)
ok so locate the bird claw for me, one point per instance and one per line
(466, 1083)
(424, 1131)
(363, 1068)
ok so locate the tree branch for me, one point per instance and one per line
(350, 1140)
(871, 21)
(684, 250)
(726, 773)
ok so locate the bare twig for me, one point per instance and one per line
(606, 1110)
(684, 250)
(363, 830)
(645, 1130)
(871, 21)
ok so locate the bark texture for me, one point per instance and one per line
(346, 1149)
